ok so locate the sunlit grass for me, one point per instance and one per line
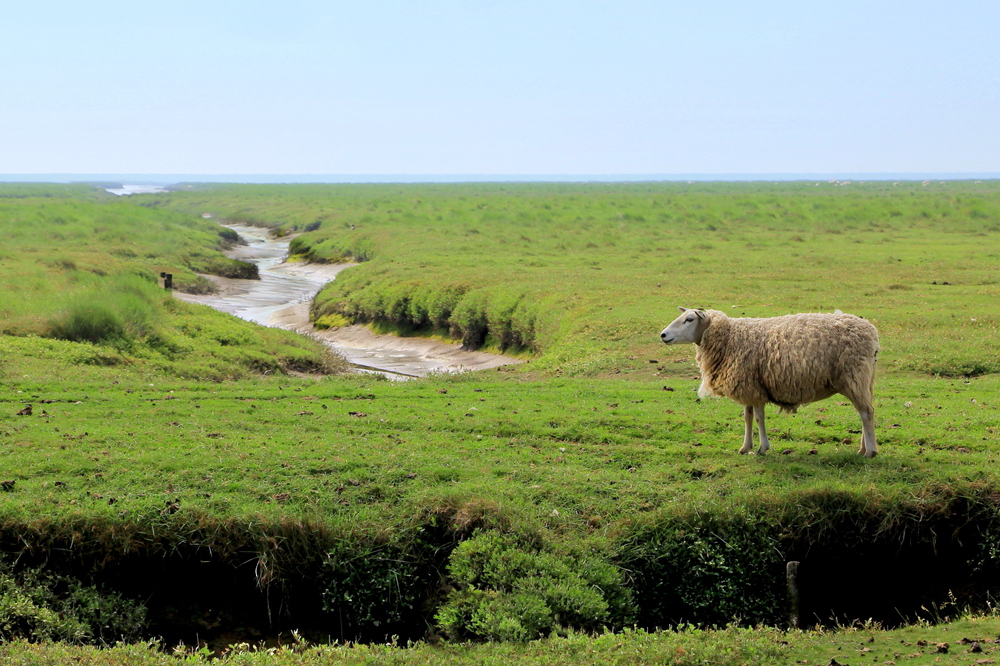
(598, 444)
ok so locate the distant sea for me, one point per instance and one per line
(163, 179)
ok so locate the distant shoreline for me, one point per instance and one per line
(267, 179)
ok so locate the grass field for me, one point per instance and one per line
(587, 274)
(589, 488)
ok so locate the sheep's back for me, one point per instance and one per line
(812, 356)
(795, 359)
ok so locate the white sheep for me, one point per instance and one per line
(788, 361)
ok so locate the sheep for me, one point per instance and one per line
(788, 361)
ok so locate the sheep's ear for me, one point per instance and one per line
(682, 308)
(701, 314)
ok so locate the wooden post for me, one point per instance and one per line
(166, 280)
(792, 578)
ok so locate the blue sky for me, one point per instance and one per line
(491, 87)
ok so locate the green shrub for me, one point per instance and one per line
(469, 320)
(506, 589)
(38, 605)
(229, 268)
(371, 587)
(229, 235)
(710, 570)
(121, 310)
(90, 322)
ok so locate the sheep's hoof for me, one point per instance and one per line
(743, 452)
(871, 454)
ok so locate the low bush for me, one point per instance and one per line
(119, 311)
(229, 236)
(228, 268)
(707, 570)
(38, 605)
(373, 588)
(507, 588)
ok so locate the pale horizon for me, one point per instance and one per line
(298, 179)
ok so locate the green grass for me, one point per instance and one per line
(866, 645)
(627, 446)
(587, 274)
(361, 493)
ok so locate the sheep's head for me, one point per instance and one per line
(687, 328)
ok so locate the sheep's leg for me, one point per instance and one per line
(869, 448)
(758, 413)
(747, 430)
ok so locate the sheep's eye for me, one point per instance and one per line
(689, 319)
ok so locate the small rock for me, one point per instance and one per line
(787, 451)
(812, 452)
(25, 412)
(941, 648)
(7, 486)
(975, 647)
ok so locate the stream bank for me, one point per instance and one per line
(281, 299)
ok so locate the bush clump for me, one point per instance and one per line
(230, 237)
(229, 268)
(709, 570)
(117, 312)
(509, 590)
(38, 605)
(373, 589)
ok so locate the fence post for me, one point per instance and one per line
(792, 578)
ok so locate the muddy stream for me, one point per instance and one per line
(281, 299)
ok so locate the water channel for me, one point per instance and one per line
(281, 299)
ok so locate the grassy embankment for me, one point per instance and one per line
(493, 505)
